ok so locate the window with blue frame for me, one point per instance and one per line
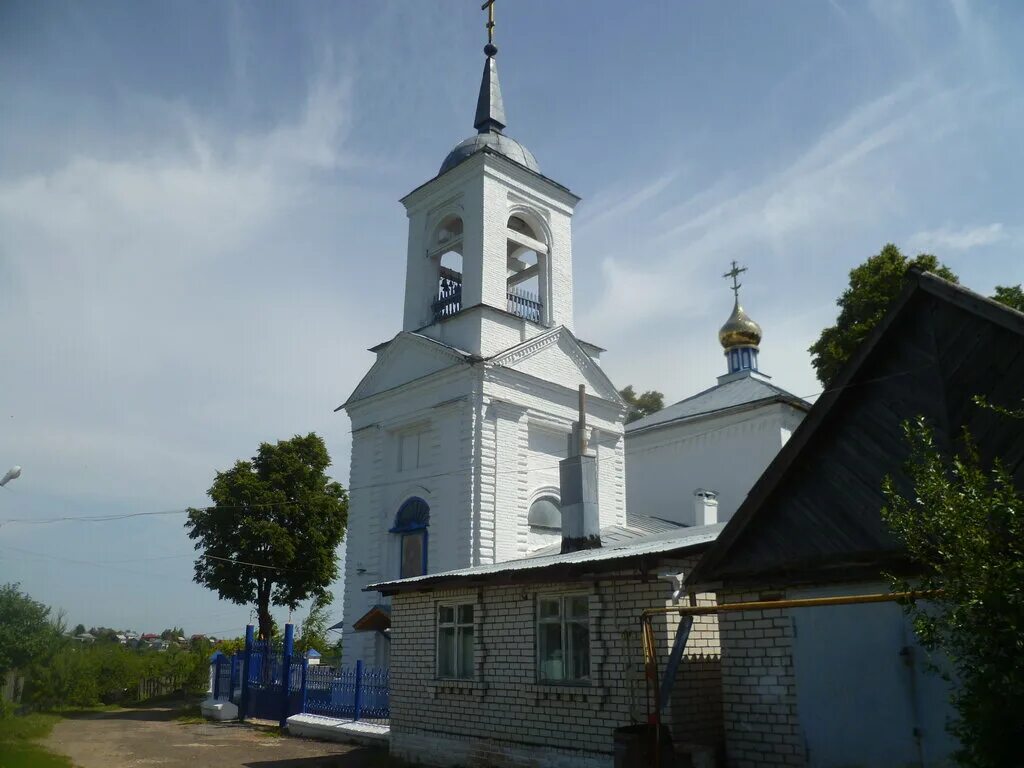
(411, 524)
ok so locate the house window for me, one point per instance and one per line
(410, 526)
(563, 639)
(455, 641)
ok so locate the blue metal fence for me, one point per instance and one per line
(270, 682)
(356, 693)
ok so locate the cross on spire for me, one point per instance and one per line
(734, 273)
(490, 49)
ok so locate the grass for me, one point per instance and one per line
(190, 715)
(18, 745)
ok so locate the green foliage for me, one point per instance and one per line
(963, 525)
(641, 405)
(313, 631)
(88, 675)
(1010, 295)
(17, 747)
(27, 632)
(172, 634)
(272, 534)
(873, 286)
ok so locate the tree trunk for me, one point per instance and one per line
(263, 612)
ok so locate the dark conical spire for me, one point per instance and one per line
(490, 110)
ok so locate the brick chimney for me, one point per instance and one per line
(577, 475)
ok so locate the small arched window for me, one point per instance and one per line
(410, 526)
(544, 513)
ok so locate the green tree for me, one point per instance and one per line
(313, 631)
(1010, 295)
(27, 631)
(272, 534)
(873, 286)
(172, 634)
(79, 629)
(641, 405)
(963, 525)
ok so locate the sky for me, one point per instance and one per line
(200, 233)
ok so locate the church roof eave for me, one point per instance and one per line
(490, 153)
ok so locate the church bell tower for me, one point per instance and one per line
(490, 240)
(459, 427)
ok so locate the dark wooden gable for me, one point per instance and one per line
(815, 513)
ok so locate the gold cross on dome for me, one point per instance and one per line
(734, 273)
(489, 7)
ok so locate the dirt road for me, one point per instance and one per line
(154, 736)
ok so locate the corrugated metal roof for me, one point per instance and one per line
(638, 527)
(731, 394)
(656, 544)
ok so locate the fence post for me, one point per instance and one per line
(216, 675)
(243, 706)
(232, 676)
(358, 702)
(305, 676)
(286, 671)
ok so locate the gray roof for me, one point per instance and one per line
(741, 391)
(637, 527)
(660, 544)
(496, 142)
(490, 107)
(489, 122)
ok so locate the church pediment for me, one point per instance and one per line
(557, 356)
(406, 358)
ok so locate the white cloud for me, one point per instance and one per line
(160, 331)
(957, 239)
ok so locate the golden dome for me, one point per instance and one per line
(739, 330)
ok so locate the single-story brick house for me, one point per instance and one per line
(848, 685)
(537, 661)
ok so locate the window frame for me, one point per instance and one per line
(564, 622)
(414, 527)
(459, 628)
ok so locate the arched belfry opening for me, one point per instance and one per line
(446, 257)
(526, 287)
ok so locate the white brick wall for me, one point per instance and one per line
(759, 687)
(504, 717)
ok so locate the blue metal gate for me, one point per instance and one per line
(270, 682)
(272, 679)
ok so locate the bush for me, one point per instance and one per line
(84, 676)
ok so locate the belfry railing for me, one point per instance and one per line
(525, 304)
(449, 297)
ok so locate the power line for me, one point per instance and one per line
(127, 515)
(418, 478)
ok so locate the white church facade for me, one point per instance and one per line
(693, 462)
(459, 425)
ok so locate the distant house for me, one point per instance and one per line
(149, 637)
(85, 637)
(849, 684)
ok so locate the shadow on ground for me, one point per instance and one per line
(363, 757)
(155, 712)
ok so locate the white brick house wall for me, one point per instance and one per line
(759, 686)
(504, 717)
